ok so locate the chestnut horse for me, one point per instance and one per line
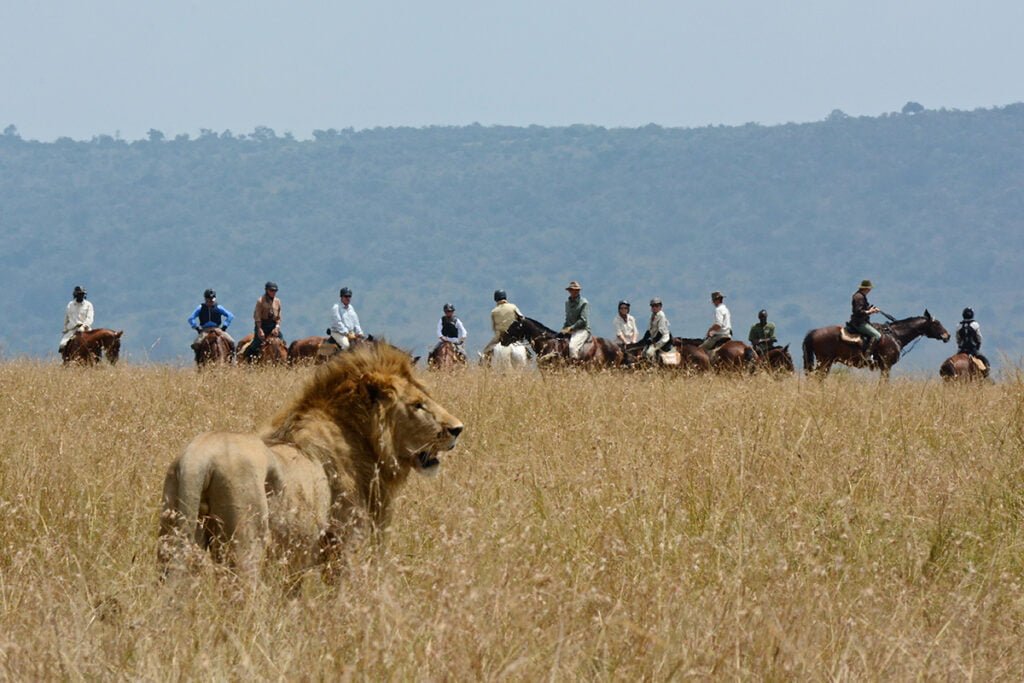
(824, 345)
(775, 359)
(445, 356)
(87, 347)
(211, 348)
(962, 366)
(692, 358)
(272, 351)
(552, 348)
(729, 356)
(307, 350)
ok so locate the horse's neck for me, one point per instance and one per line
(907, 330)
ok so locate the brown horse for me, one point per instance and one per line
(307, 350)
(445, 356)
(962, 366)
(212, 348)
(825, 346)
(552, 348)
(775, 359)
(272, 351)
(732, 356)
(692, 359)
(87, 347)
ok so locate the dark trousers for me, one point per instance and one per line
(257, 343)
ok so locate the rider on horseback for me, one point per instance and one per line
(658, 335)
(577, 323)
(968, 337)
(860, 319)
(78, 317)
(762, 334)
(450, 329)
(345, 327)
(625, 326)
(502, 315)
(267, 318)
(721, 330)
(210, 316)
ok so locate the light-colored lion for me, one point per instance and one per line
(324, 471)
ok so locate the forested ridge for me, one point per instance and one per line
(790, 218)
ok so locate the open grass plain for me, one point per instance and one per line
(606, 526)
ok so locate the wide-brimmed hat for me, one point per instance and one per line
(655, 301)
(717, 295)
(573, 286)
(866, 284)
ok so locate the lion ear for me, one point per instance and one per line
(378, 388)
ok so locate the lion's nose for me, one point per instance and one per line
(455, 431)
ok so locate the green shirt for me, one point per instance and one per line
(761, 333)
(577, 314)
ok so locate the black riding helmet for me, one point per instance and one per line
(448, 307)
(499, 294)
(270, 285)
(345, 291)
(968, 313)
(624, 302)
(209, 294)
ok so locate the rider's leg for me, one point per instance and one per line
(576, 342)
(872, 336)
(341, 340)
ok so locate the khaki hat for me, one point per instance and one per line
(717, 295)
(573, 285)
(866, 284)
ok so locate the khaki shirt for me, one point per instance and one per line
(503, 315)
(267, 309)
(659, 328)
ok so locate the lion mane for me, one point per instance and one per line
(323, 473)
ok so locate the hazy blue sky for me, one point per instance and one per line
(82, 68)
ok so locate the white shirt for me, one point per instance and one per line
(459, 326)
(345, 319)
(625, 329)
(78, 314)
(659, 328)
(723, 319)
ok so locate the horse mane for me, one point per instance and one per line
(542, 326)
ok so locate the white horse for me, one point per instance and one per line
(514, 355)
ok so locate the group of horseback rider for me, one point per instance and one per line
(210, 317)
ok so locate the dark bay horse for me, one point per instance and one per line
(212, 348)
(87, 347)
(825, 347)
(775, 359)
(961, 366)
(552, 348)
(445, 356)
(272, 351)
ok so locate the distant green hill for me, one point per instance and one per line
(928, 205)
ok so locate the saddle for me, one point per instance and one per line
(670, 358)
(850, 336)
(979, 364)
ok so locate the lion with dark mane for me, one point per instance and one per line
(322, 474)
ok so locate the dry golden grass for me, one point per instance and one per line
(588, 526)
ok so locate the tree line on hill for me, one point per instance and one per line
(789, 218)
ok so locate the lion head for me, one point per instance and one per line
(366, 408)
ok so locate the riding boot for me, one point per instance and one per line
(869, 350)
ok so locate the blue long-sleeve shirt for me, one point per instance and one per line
(210, 316)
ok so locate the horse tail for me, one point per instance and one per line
(748, 357)
(809, 352)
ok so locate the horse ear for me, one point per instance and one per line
(786, 347)
(416, 359)
(927, 315)
(119, 333)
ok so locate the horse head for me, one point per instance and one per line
(934, 329)
(113, 349)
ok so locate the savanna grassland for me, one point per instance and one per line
(587, 526)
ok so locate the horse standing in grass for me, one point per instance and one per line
(552, 348)
(272, 351)
(307, 350)
(775, 359)
(212, 348)
(88, 347)
(824, 346)
(445, 356)
(963, 366)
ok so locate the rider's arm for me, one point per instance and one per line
(88, 315)
(355, 324)
(584, 319)
(462, 331)
(228, 317)
(193, 320)
(440, 335)
(337, 323)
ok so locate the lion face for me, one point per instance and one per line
(420, 428)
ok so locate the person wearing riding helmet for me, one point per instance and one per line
(78, 317)
(345, 327)
(267, 319)
(968, 337)
(625, 325)
(210, 315)
(659, 335)
(450, 329)
(502, 315)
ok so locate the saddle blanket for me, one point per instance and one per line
(669, 357)
(978, 363)
(845, 335)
